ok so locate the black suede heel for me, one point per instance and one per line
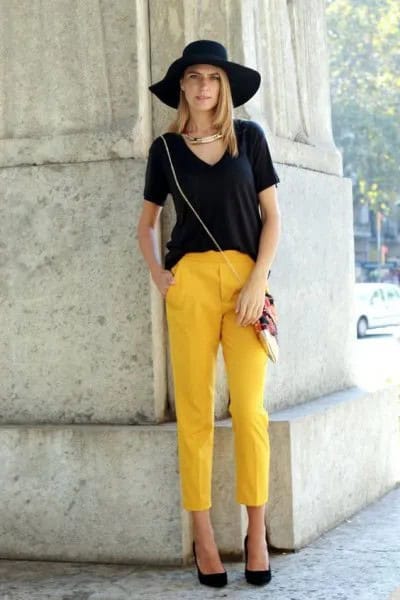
(256, 577)
(212, 579)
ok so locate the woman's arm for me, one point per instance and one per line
(271, 230)
(148, 244)
(251, 298)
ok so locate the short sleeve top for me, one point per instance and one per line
(225, 194)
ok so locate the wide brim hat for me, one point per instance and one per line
(244, 81)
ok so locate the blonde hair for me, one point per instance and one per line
(222, 117)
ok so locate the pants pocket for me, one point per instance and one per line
(173, 292)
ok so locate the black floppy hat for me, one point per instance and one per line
(244, 81)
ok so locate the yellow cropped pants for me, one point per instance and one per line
(200, 311)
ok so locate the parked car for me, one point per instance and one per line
(376, 305)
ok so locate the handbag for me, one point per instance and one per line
(266, 326)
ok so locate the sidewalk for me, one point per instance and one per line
(358, 560)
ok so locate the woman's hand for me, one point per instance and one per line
(250, 302)
(163, 279)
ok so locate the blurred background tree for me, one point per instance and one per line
(364, 45)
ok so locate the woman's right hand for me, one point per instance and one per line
(163, 279)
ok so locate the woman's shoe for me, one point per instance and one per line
(256, 577)
(213, 579)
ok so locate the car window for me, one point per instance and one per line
(377, 297)
(396, 293)
(392, 295)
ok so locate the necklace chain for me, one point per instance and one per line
(204, 139)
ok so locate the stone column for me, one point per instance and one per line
(83, 323)
(310, 51)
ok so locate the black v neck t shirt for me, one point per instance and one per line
(225, 194)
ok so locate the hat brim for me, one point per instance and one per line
(244, 81)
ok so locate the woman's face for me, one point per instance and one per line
(201, 85)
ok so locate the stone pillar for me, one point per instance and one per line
(82, 320)
(310, 52)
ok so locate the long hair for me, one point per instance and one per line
(222, 117)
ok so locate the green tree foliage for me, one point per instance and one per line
(364, 46)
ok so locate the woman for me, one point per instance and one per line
(223, 166)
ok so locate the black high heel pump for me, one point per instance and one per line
(212, 579)
(256, 577)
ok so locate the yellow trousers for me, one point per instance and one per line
(200, 314)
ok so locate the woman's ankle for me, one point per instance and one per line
(256, 533)
(204, 537)
(202, 526)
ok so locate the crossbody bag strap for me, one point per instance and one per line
(198, 216)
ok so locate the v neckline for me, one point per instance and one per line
(200, 159)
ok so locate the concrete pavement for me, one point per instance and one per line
(357, 560)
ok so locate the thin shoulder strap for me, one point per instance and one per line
(198, 216)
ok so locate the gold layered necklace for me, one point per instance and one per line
(203, 140)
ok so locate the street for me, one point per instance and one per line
(377, 358)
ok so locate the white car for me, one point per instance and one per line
(376, 305)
